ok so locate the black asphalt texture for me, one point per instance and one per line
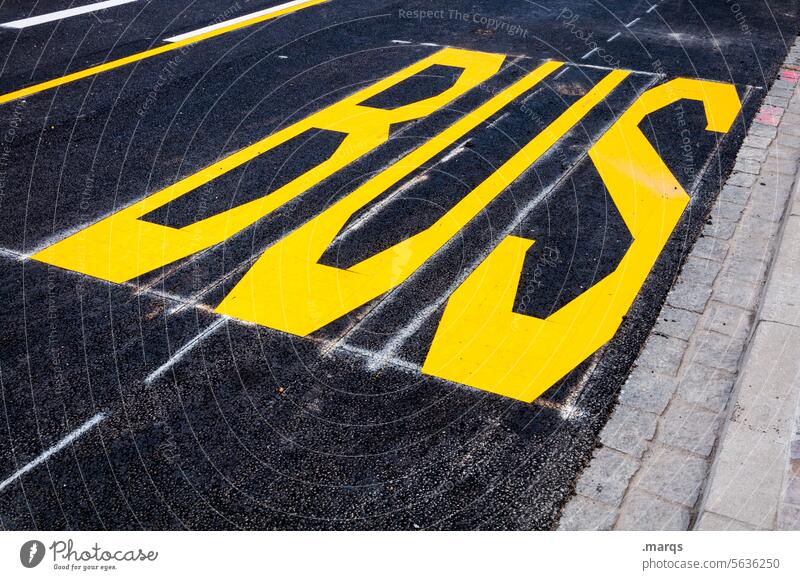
(252, 428)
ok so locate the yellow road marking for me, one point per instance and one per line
(82, 74)
(483, 343)
(124, 246)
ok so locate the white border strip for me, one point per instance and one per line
(236, 20)
(61, 14)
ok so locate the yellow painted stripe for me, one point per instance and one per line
(38, 88)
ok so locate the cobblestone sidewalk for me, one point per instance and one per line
(705, 434)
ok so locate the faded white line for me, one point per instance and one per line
(62, 14)
(181, 352)
(632, 22)
(590, 53)
(613, 37)
(54, 449)
(653, 7)
(236, 20)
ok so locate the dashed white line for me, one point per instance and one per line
(401, 41)
(632, 22)
(558, 76)
(590, 53)
(653, 7)
(54, 449)
(181, 352)
(62, 14)
(613, 37)
(238, 19)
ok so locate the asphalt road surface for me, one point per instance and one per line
(344, 264)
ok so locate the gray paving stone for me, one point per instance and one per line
(706, 387)
(748, 475)
(741, 179)
(735, 194)
(780, 92)
(710, 248)
(784, 140)
(782, 298)
(780, 164)
(662, 354)
(746, 478)
(722, 229)
(752, 153)
(711, 522)
(753, 239)
(727, 211)
(772, 183)
(761, 142)
(733, 291)
(629, 430)
(748, 166)
(764, 209)
(673, 474)
(791, 493)
(582, 513)
(789, 518)
(687, 426)
(676, 322)
(727, 319)
(761, 130)
(745, 269)
(776, 101)
(789, 128)
(767, 398)
(716, 350)
(644, 511)
(647, 390)
(607, 476)
(693, 288)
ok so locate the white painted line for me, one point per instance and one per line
(653, 7)
(181, 352)
(632, 22)
(402, 41)
(62, 14)
(613, 37)
(13, 254)
(54, 449)
(563, 70)
(494, 123)
(237, 20)
(590, 53)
